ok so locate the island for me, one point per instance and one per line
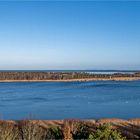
(65, 76)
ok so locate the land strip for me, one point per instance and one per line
(64, 76)
(79, 80)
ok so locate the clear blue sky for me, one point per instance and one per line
(69, 35)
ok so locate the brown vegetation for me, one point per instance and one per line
(68, 129)
(42, 76)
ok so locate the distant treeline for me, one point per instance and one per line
(58, 75)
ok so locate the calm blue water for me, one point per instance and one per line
(63, 100)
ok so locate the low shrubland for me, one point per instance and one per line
(11, 76)
(70, 130)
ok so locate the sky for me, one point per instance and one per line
(69, 35)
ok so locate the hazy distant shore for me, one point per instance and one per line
(79, 80)
(65, 76)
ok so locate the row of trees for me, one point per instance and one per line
(57, 75)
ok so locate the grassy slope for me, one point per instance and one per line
(128, 128)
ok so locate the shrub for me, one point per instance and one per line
(81, 131)
(68, 129)
(56, 133)
(104, 132)
(31, 131)
(9, 131)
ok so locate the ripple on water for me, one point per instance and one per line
(71, 99)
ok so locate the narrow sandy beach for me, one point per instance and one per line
(79, 80)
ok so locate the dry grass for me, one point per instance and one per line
(31, 131)
(64, 129)
(9, 131)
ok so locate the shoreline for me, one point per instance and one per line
(78, 80)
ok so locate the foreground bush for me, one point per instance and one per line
(81, 131)
(104, 132)
(55, 133)
(33, 131)
(30, 131)
(8, 131)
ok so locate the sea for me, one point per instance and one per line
(70, 100)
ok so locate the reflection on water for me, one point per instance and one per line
(61, 100)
